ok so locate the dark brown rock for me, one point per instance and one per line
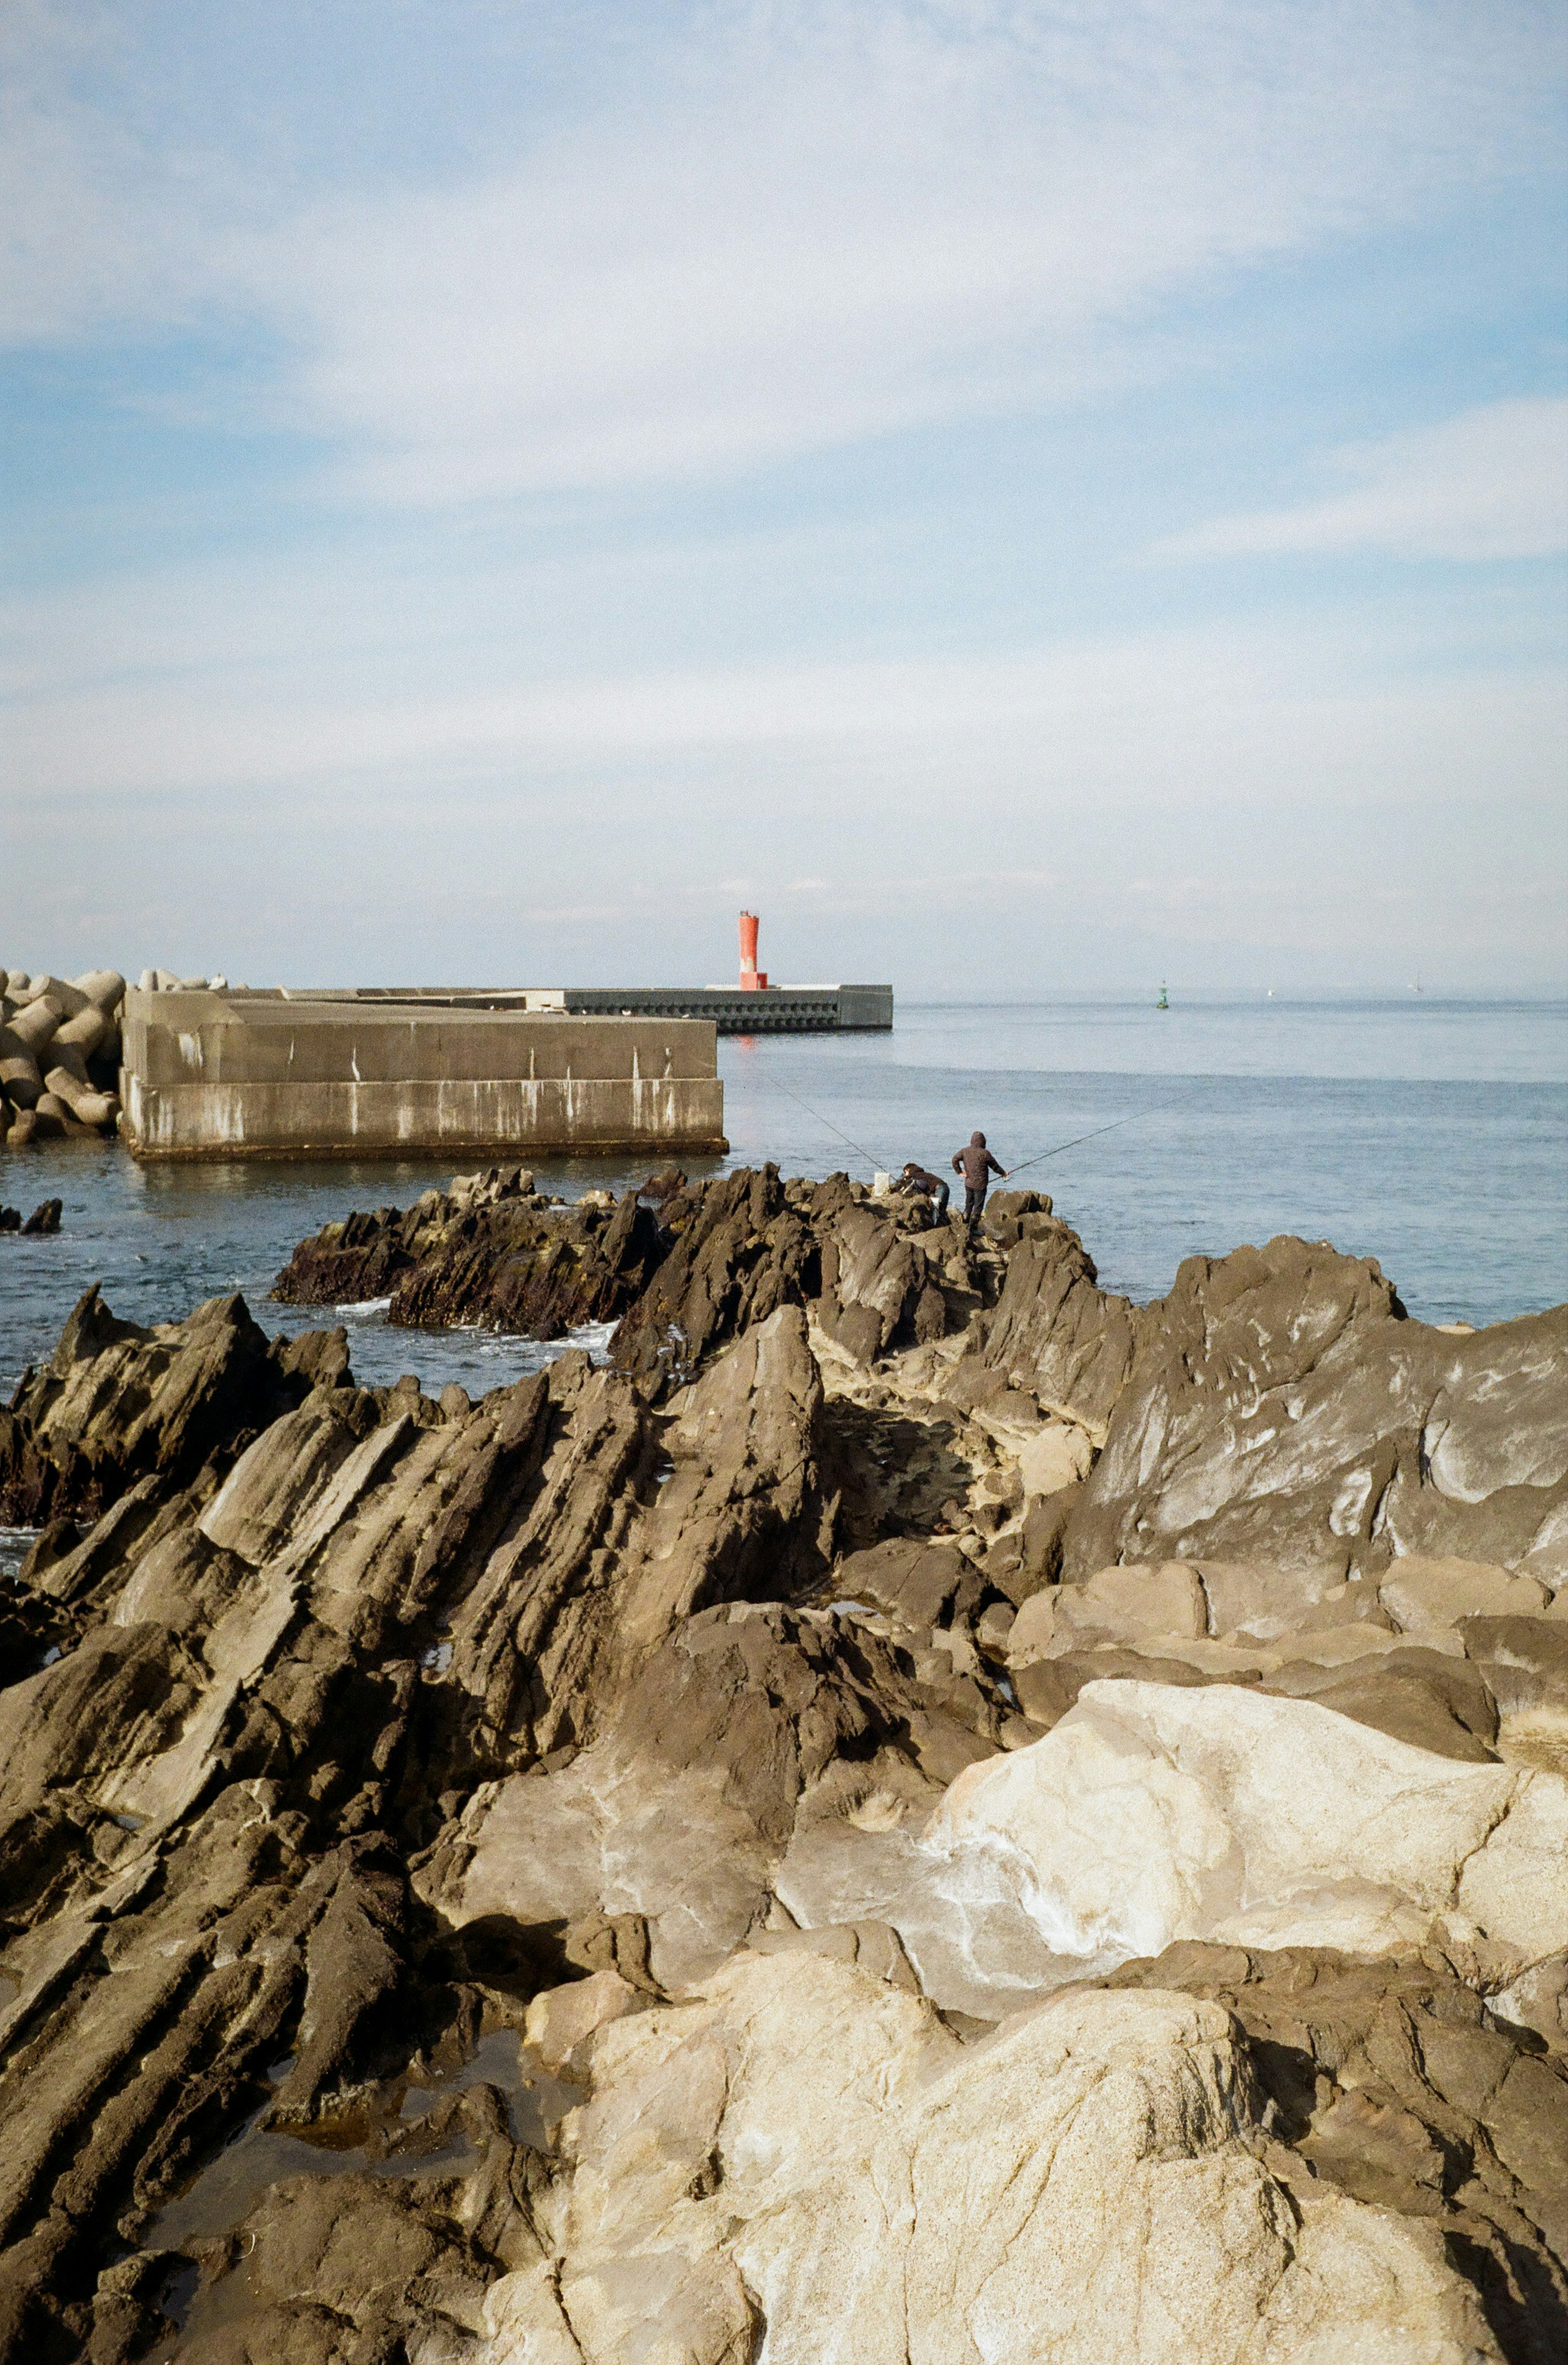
(718, 1257)
(921, 1583)
(118, 1402)
(1421, 1697)
(1054, 1330)
(1046, 1688)
(740, 1250)
(1280, 1406)
(486, 1252)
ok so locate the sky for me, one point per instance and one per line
(1031, 496)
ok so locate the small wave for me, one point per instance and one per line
(594, 1338)
(365, 1309)
(15, 1544)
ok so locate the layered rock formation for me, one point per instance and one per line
(918, 1813)
(491, 1250)
(681, 1276)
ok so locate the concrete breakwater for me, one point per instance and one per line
(916, 1793)
(60, 1043)
(194, 1068)
(60, 1051)
(267, 1073)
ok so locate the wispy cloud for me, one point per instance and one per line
(1158, 719)
(1490, 484)
(589, 575)
(794, 227)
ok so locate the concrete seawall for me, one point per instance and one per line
(226, 1074)
(779, 1010)
(776, 1009)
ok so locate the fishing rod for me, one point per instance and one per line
(1056, 1152)
(1039, 1158)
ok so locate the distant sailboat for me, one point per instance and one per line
(1164, 1000)
(1415, 983)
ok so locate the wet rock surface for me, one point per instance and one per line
(681, 1269)
(914, 1810)
(491, 1252)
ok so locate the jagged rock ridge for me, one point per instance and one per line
(987, 1834)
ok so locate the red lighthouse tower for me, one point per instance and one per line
(752, 978)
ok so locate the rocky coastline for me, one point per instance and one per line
(913, 1809)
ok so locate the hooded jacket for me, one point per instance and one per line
(975, 1163)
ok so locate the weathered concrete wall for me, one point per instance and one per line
(212, 1075)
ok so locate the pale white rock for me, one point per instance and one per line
(960, 1914)
(599, 1835)
(1153, 1812)
(802, 2165)
(1515, 1887)
(617, 1834)
(559, 2019)
(525, 2322)
(1057, 1454)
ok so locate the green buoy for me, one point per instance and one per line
(1164, 1000)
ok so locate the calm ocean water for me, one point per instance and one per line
(1431, 1135)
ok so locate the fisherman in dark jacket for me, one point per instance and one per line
(977, 1166)
(917, 1183)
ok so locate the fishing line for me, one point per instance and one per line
(1055, 1152)
(858, 1148)
(1039, 1159)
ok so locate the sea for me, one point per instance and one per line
(1430, 1134)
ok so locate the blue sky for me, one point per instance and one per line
(1029, 497)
